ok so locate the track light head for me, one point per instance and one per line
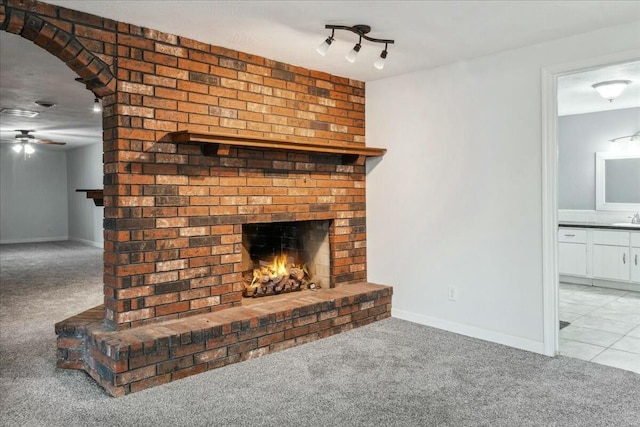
(353, 53)
(324, 47)
(379, 64)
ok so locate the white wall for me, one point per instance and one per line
(580, 136)
(85, 171)
(33, 196)
(457, 200)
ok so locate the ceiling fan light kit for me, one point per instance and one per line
(361, 31)
(24, 147)
(611, 89)
(24, 140)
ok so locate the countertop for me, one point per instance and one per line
(576, 224)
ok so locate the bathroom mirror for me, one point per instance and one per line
(618, 182)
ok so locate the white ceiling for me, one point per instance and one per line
(576, 96)
(427, 34)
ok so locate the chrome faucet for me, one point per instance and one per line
(636, 219)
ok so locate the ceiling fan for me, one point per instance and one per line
(24, 139)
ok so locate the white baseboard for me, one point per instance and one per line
(471, 331)
(576, 280)
(88, 242)
(625, 286)
(34, 240)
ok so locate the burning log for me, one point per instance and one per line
(278, 277)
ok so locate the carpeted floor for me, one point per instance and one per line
(390, 373)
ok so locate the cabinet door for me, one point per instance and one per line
(635, 265)
(611, 262)
(572, 259)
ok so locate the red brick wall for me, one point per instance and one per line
(173, 216)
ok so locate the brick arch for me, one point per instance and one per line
(93, 71)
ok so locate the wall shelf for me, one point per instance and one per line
(220, 144)
(96, 194)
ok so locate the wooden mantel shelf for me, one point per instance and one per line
(96, 194)
(222, 142)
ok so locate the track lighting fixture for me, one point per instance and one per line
(97, 108)
(361, 31)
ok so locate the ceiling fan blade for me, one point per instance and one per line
(49, 142)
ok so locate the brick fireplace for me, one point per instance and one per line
(201, 143)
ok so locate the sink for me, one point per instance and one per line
(626, 224)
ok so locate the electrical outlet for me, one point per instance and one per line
(453, 293)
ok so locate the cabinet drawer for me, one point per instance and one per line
(635, 240)
(613, 238)
(571, 235)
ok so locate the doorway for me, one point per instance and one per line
(554, 198)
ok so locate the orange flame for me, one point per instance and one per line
(279, 266)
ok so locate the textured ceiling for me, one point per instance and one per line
(28, 74)
(427, 34)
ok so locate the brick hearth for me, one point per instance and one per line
(132, 360)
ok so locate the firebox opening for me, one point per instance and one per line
(285, 257)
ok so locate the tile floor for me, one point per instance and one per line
(605, 325)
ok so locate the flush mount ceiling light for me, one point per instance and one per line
(361, 31)
(45, 104)
(611, 89)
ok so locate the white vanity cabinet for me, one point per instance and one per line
(611, 255)
(634, 260)
(599, 256)
(572, 248)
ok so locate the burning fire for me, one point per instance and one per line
(278, 269)
(279, 266)
(277, 277)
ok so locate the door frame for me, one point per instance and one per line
(549, 101)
